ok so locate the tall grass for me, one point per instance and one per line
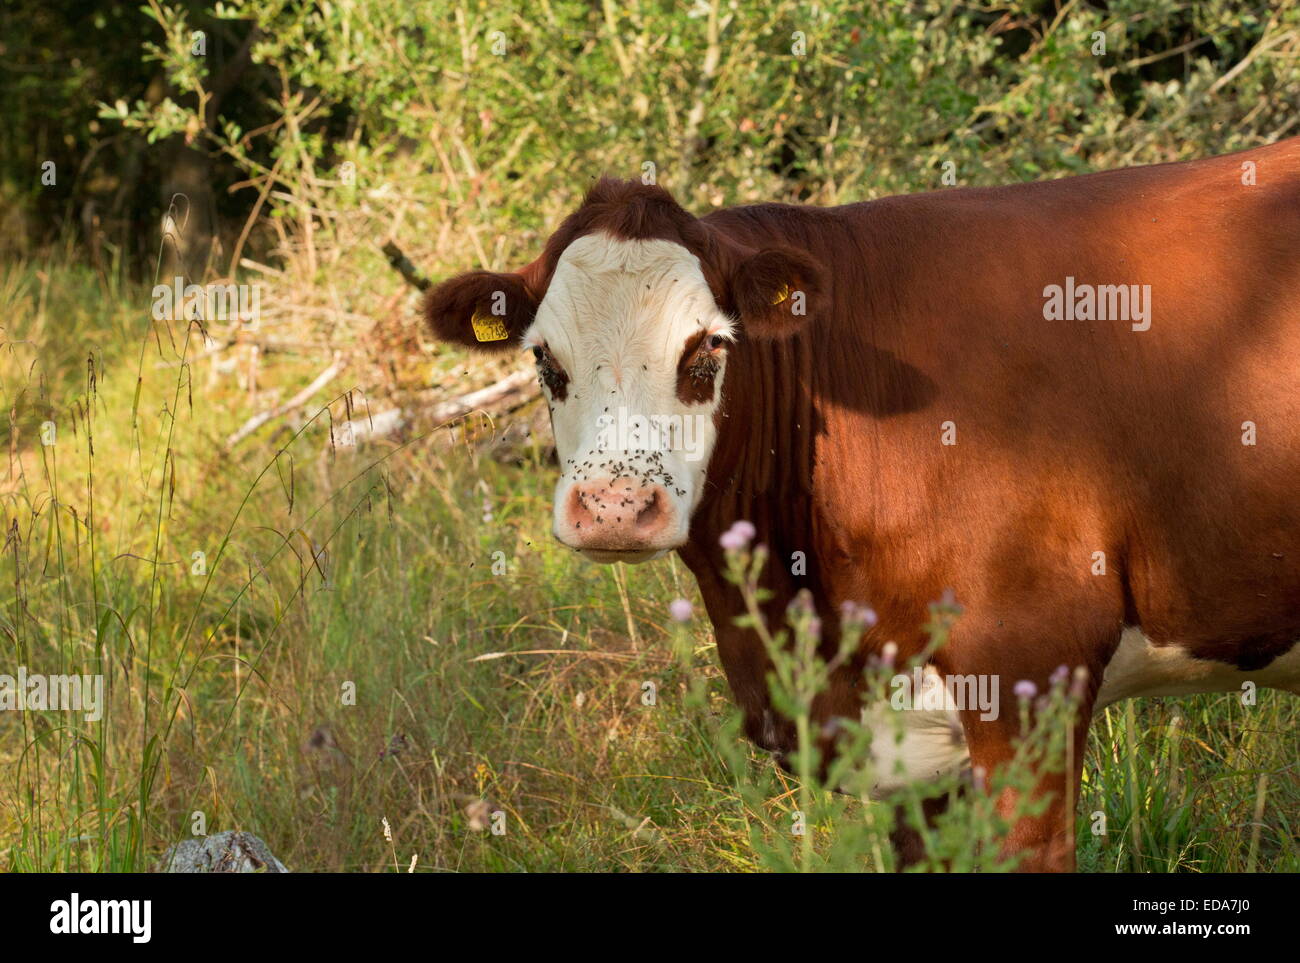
(351, 652)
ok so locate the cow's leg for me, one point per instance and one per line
(1011, 644)
(905, 837)
(1044, 842)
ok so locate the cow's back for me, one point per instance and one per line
(1104, 473)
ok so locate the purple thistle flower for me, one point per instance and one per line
(737, 537)
(680, 610)
(1079, 684)
(800, 604)
(1024, 689)
(854, 614)
(731, 541)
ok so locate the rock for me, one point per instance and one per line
(228, 852)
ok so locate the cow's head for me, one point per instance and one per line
(631, 314)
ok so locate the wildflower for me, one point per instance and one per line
(856, 615)
(1024, 689)
(680, 610)
(478, 813)
(730, 541)
(1080, 682)
(737, 537)
(801, 604)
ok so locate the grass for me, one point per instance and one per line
(347, 654)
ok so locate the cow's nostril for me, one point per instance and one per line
(583, 507)
(615, 515)
(649, 516)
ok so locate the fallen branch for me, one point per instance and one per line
(402, 264)
(580, 653)
(508, 393)
(265, 345)
(297, 401)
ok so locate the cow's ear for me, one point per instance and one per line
(775, 291)
(481, 310)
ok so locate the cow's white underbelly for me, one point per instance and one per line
(1140, 668)
(914, 745)
(917, 746)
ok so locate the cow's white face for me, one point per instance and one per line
(631, 348)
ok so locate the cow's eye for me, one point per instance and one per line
(716, 341)
(550, 373)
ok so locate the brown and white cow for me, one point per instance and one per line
(919, 394)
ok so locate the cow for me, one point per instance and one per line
(1074, 404)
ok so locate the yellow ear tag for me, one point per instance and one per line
(488, 327)
(782, 294)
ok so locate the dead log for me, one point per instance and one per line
(509, 393)
(297, 401)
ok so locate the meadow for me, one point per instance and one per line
(383, 648)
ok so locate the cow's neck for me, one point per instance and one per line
(761, 471)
